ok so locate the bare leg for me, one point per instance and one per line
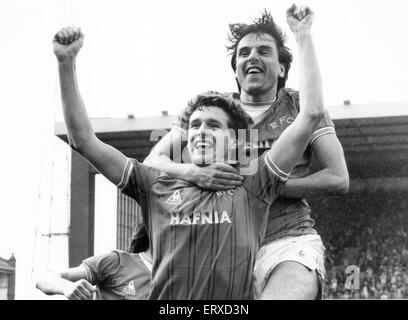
(291, 280)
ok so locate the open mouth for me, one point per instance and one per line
(202, 144)
(253, 70)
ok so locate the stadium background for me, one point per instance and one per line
(132, 64)
(368, 228)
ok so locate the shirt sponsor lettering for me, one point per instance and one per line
(180, 218)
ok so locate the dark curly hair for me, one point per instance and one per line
(261, 25)
(140, 239)
(237, 117)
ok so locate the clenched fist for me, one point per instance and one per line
(79, 290)
(299, 18)
(67, 43)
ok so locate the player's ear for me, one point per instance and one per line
(282, 70)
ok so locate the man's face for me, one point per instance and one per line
(257, 65)
(209, 137)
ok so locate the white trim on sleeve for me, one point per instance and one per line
(126, 174)
(88, 273)
(274, 168)
(179, 130)
(146, 261)
(321, 132)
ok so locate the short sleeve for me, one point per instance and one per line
(137, 179)
(180, 125)
(267, 180)
(179, 130)
(326, 125)
(99, 268)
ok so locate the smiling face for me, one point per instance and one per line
(209, 136)
(258, 67)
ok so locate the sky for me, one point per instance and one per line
(142, 57)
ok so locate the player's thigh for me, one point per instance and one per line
(291, 280)
(297, 260)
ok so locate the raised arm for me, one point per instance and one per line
(109, 161)
(332, 179)
(71, 283)
(287, 150)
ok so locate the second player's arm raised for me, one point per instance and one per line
(109, 161)
(332, 178)
(289, 147)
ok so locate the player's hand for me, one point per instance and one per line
(217, 176)
(67, 43)
(79, 290)
(299, 18)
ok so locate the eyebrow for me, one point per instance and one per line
(208, 121)
(195, 121)
(263, 46)
(214, 121)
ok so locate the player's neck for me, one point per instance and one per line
(267, 97)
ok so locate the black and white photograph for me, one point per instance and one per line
(197, 150)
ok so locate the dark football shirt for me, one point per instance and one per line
(287, 216)
(203, 243)
(119, 275)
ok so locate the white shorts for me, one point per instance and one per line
(307, 250)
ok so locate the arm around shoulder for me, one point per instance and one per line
(332, 163)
